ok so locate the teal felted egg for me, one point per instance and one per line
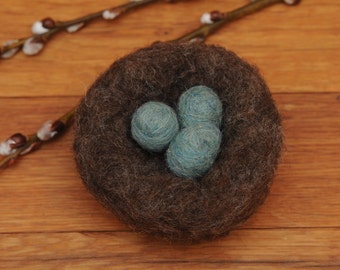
(199, 104)
(194, 150)
(154, 125)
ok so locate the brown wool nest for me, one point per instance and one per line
(136, 185)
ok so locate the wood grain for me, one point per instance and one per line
(244, 248)
(48, 220)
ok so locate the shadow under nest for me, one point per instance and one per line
(136, 185)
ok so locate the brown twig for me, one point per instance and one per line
(18, 145)
(218, 19)
(43, 30)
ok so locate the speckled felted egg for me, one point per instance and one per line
(199, 104)
(194, 149)
(136, 185)
(154, 125)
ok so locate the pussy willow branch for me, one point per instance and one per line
(215, 20)
(23, 145)
(47, 28)
(218, 19)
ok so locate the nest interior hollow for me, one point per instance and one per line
(136, 185)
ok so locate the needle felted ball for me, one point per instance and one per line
(136, 185)
(154, 125)
(199, 104)
(194, 149)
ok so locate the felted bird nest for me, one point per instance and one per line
(136, 185)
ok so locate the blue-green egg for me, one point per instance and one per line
(199, 104)
(154, 125)
(194, 150)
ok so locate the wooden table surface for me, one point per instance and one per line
(49, 221)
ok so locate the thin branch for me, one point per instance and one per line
(18, 145)
(217, 19)
(43, 30)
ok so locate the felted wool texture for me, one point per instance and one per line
(154, 125)
(136, 185)
(193, 151)
(199, 104)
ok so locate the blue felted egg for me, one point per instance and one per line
(199, 104)
(154, 125)
(194, 150)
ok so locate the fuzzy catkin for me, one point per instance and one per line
(154, 125)
(193, 150)
(136, 185)
(199, 104)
